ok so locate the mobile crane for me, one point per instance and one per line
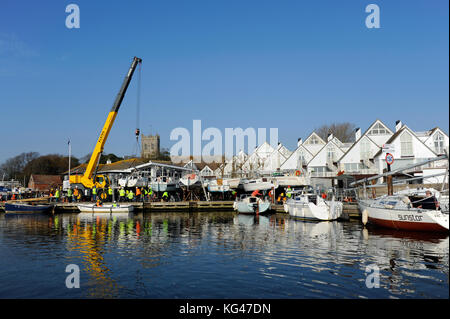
(90, 179)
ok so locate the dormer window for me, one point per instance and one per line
(378, 129)
(439, 143)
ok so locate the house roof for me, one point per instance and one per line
(396, 134)
(46, 179)
(367, 136)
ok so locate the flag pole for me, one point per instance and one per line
(69, 159)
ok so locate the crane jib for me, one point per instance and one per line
(126, 82)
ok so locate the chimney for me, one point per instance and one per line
(330, 137)
(398, 125)
(357, 134)
(299, 142)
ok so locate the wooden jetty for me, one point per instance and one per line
(185, 206)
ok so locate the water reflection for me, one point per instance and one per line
(223, 255)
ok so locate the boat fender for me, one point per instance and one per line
(365, 217)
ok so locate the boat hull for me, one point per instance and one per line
(108, 209)
(26, 209)
(261, 186)
(402, 219)
(250, 208)
(325, 211)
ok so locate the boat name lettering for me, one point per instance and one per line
(410, 218)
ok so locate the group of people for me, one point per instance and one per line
(106, 194)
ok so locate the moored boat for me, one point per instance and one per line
(308, 205)
(22, 208)
(109, 208)
(252, 205)
(399, 212)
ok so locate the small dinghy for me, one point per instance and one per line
(110, 208)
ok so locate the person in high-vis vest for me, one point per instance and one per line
(165, 196)
(69, 195)
(94, 194)
(57, 195)
(150, 194)
(110, 194)
(76, 194)
(130, 196)
(121, 195)
(138, 194)
(289, 192)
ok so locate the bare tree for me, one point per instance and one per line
(343, 131)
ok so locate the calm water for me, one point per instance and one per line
(215, 255)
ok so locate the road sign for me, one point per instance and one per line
(389, 159)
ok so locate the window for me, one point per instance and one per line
(301, 157)
(406, 144)
(439, 143)
(378, 129)
(365, 149)
(330, 153)
(313, 140)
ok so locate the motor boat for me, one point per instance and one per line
(190, 180)
(305, 204)
(252, 205)
(133, 180)
(216, 186)
(163, 184)
(293, 181)
(231, 182)
(263, 183)
(403, 212)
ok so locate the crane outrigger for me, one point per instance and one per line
(90, 179)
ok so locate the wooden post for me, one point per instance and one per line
(390, 188)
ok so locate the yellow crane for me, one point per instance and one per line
(89, 178)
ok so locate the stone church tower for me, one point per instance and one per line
(150, 146)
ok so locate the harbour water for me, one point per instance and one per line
(216, 255)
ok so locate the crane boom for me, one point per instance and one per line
(86, 179)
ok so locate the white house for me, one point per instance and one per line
(408, 149)
(359, 158)
(256, 160)
(324, 163)
(314, 143)
(298, 159)
(276, 158)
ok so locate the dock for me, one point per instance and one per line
(350, 209)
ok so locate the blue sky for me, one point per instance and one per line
(294, 65)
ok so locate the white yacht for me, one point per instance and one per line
(305, 204)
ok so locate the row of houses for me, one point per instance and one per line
(331, 157)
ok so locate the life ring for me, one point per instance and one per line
(298, 173)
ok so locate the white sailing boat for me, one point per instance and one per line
(403, 212)
(306, 204)
(252, 205)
